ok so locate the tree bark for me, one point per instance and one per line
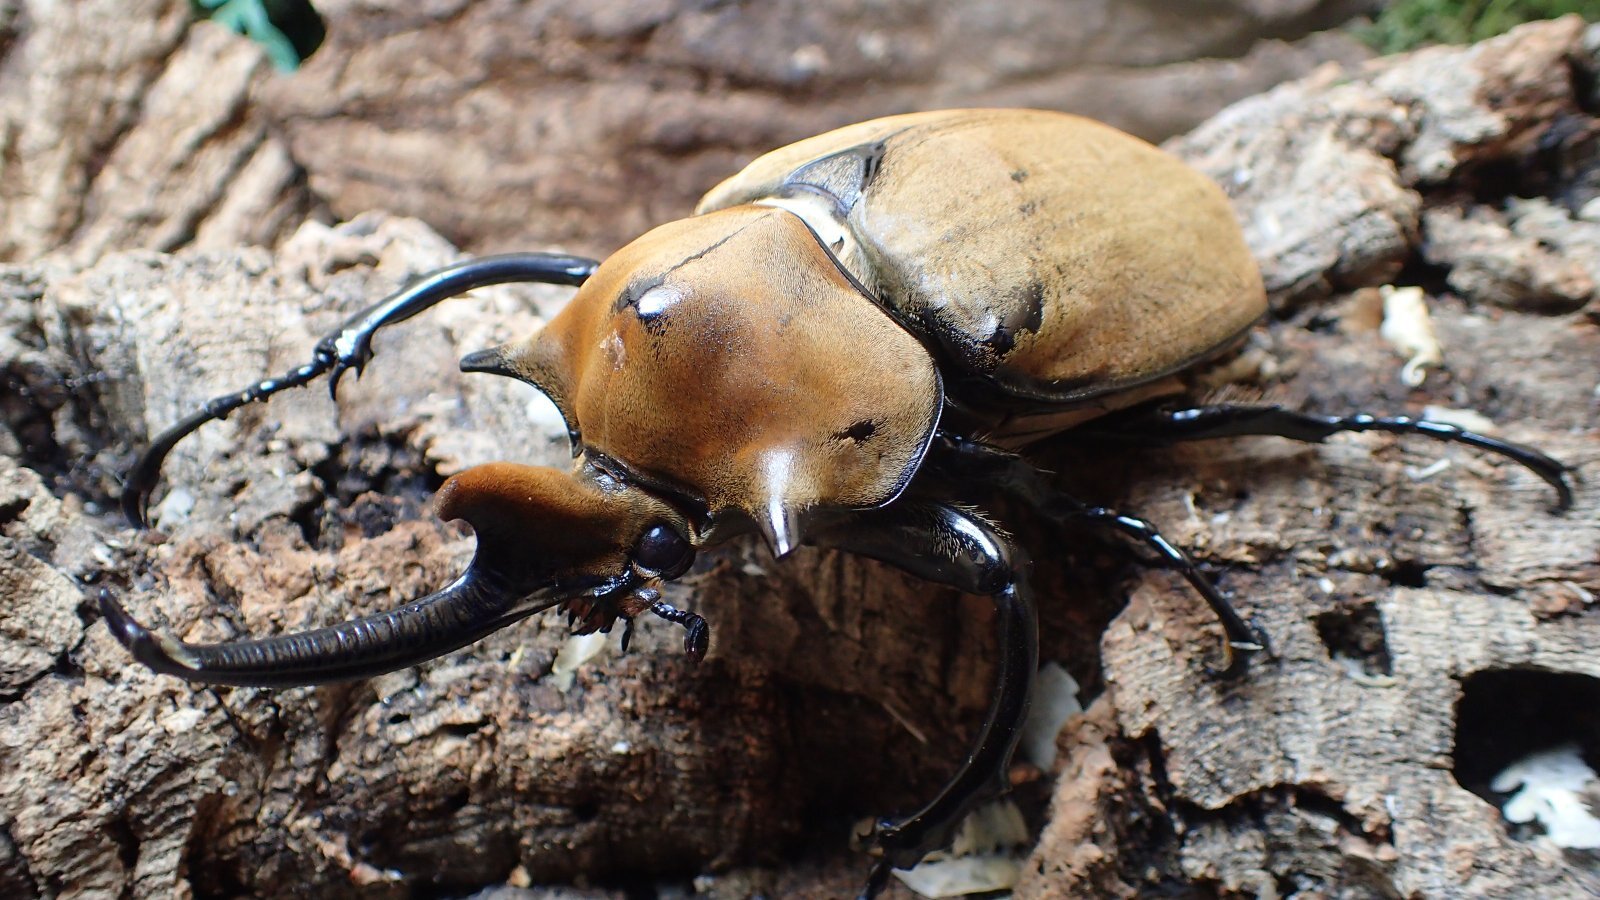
(1426, 628)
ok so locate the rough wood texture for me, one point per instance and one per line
(123, 126)
(835, 689)
(550, 115)
(509, 124)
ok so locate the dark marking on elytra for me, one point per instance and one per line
(858, 431)
(1001, 340)
(872, 162)
(1025, 308)
(1033, 294)
(1019, 176)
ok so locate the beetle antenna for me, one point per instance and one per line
(350, 347)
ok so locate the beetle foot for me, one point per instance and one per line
(697, 634)
(349, 349)
(877, 880)
(1239, 649)
(887, 839)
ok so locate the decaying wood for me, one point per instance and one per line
(835, 689)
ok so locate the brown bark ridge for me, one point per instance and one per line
(551, 115)
(1429, 625)
(124, 126)
(513, 124)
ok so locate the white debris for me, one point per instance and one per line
(175, 507)
(1408, 329)
(1427, 471)
(984, 857)
(1584, 594)
(1357, 672)
(1469, 419)
(543, 414)
(579, 649)
(1550, 782)
(181, 721)
(1055, 700)
(960, 877)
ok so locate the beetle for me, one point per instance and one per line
(846, 337)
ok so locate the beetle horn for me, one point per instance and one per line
(475, 605)
(544, 537)
(774, 501)
(781, 527)
(533, 361)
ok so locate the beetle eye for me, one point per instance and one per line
(663, 551)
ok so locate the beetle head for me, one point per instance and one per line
(540, 526)
(732, 357)
(545, 538)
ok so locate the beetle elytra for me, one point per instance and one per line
(848, 335)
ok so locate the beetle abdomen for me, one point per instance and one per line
(1054, 257)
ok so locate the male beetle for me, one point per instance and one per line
(850, 335)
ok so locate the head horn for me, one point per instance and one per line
(544, 537)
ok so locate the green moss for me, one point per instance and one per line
(1407, 24)
(289, 30)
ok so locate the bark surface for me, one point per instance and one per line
(1430, 624)
(508, 125)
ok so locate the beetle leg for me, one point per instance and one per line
(953, 547)
(1026, 482)
(1163, 426)
(350, 347)
(1241, 635)
(697, 634)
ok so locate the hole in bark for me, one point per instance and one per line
(120, 830)
(1406, 573)
(33, 402)
(370, 482)
(1356, 637)
(10, 512)
(1506, 714)
(14, 878)
(1418, 272)
(457, 801)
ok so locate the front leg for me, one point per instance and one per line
(350, 347)
(953, 547)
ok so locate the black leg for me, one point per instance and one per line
(1241, 635)
(350, 347)
(948, 546)
(962, 458)
(1165, 426)
(696, 633)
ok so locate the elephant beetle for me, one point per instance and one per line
(846, 338)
